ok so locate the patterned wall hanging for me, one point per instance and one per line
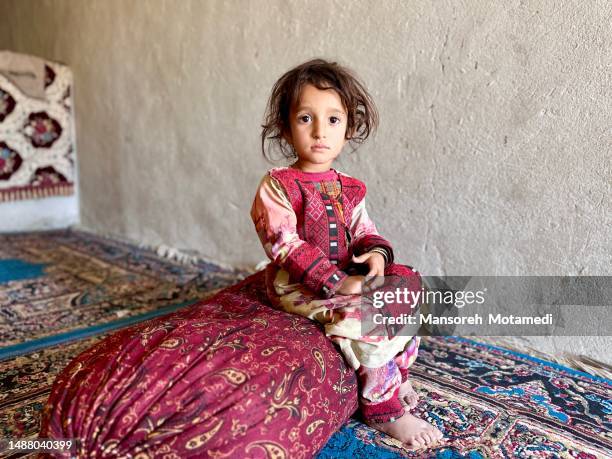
(37, 156)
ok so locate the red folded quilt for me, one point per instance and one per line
(226, 377)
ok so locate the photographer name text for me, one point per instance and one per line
(476, 319)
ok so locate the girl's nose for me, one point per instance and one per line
(318, 130)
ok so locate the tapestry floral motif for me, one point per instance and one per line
(49, 76)
(36, 139)
(226, 377)
(7, 104)
(10, 161)
(42, 130)
(47, 176)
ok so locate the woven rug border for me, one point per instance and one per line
(555, 365)
(78, 334)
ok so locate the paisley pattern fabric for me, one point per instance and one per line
(36, 137)
(226, 377)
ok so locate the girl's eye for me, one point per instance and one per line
(334, 120)
(304, 118)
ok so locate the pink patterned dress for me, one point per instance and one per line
(311, 225)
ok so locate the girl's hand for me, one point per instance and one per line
(351, 286)
(376, 263)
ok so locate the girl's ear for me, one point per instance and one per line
(287, 137)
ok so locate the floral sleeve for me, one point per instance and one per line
(276, 225)
(364, 234)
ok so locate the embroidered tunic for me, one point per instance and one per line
(311, 224)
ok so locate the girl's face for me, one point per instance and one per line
(318, 128)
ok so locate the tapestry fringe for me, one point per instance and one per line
(16, 194)
(575, 361)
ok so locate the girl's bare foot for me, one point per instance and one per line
(411, 431)
(408, 396)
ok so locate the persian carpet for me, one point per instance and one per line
(59, 282)
(494, 403)
(25, 384)
(62, 291)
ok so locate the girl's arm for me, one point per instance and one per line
(365, 237)
(276, 225)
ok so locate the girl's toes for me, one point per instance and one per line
(435, 433)
(418, 441)
(410, 401)
(413, 443)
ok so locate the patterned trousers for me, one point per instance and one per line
(381, 362)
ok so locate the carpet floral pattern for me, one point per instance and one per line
(55, 282)
(25, 384)
(494, 403)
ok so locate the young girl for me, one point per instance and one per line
(313, 224)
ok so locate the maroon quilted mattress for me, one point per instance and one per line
(226, 377)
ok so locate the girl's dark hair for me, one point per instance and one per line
(362, 116)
